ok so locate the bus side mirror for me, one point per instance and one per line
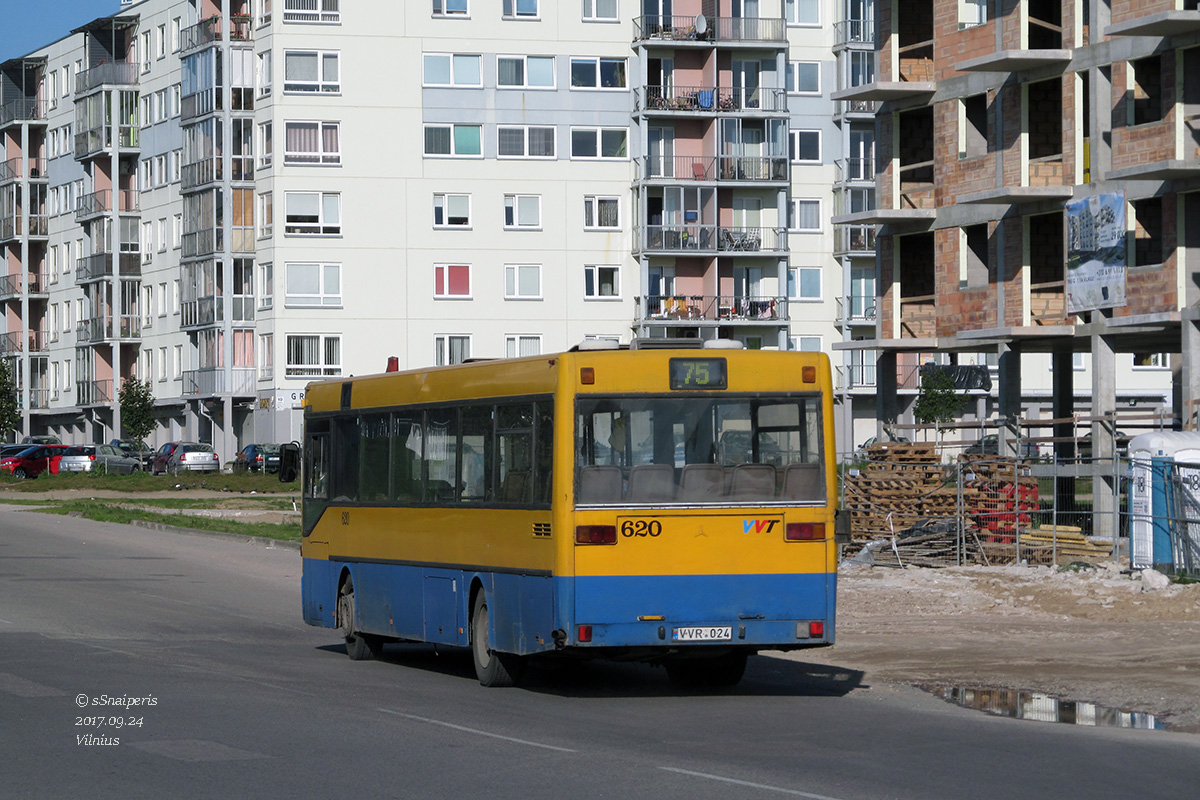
(841, 527)
(289, 462)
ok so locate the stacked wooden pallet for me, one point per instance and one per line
(898, 486)
(1000, 501)
(1062, 544)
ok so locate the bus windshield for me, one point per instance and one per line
(699, 450)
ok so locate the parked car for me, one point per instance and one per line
(861, 452)
(990, 446)
(99, 457)
(33, 461)
(41, 440)
(12, 449)
(135, 449)
(162, 457)
(1085, 452)
(193, 457)
(255, 457)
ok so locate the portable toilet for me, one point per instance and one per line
(1153, 457)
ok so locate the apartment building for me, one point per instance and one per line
(231, 198)
(1007, 131)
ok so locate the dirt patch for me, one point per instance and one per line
(1102, 635)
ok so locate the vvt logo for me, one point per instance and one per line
(759, 525)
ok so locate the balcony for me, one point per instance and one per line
(14, 169)
(712, 308)
(857, 310)
(218, 381)
(14, 342)
(202, 312)
(100, 139)
(99, 203)
(12, 285)
(100, 265)
(112, 73)
(202, 243)
(40, 398)
(92, 393)
(708, 99)
(710, 239)
(211, 170)
(854, 170)
(102, 329)
(28, 110)
(854, 240)
(709, 168)
(208, 31)
(855, 109)
(854, 31)
(15, 227)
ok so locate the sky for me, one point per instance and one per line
(26, 25)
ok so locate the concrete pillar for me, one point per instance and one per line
(1009, 395)
(1188, 408)
(885, 384)
(1062, 367)
(1104, 402)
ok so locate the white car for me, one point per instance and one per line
(193, 457)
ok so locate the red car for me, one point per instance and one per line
(34, 460)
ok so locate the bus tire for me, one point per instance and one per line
(715, 672)
(359, 646)
(494, 669)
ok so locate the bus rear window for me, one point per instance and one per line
(699, 450)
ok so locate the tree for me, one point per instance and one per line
(137, 409)
(938, 401)
(10, 408)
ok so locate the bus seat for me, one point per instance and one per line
(803, 482)
(515, 487)
(599, 484)
(652, 483)
(753, 482)
(702, 482)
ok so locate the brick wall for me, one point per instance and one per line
(1152, 141)
(1126, 10)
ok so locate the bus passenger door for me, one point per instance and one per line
(316, 477)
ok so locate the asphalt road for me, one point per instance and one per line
(240, 699)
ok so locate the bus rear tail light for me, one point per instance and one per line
(805, 531)
(816, 630)
(595, 534)
(585, 633)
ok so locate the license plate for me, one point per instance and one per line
(718, 633)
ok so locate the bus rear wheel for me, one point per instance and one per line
(359, 646)
(715, 672)
(491, 667)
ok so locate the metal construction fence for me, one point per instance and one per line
(929, 505)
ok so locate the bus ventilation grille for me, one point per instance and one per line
(541, 529)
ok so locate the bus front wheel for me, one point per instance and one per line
(359, 646)
(491, 667)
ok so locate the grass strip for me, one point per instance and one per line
(108, 512)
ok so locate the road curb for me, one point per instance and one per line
(233, 537)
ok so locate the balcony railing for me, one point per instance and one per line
(854, 31)
(217, 380)
(40, 398)
(713, 308)
(15, 227)
(14, 341)
(851, 107)
(721, 29)
(12, 285)
(91, 393)
(726, 99)
(201, 312)
(708, 168)
(208, 31)
(753, 168)
(854, 170)
(860, 376)
(712, 238)
(99, 139)
(854, 239)
(102, 329)
(100, 265)
(27, 110)
(14, 169)
(97, 203)
(114, 73)
(202, 243)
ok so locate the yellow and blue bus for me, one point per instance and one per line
(669, 505)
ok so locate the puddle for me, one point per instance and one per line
(1040, 707)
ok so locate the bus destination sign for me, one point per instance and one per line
(698, 373)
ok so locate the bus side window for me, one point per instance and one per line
(316, 477)
(407, 441)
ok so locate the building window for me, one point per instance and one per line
(266, 144)
(520, 9)
(325, 11)
(601, 282)
(805, 344)
(459, 141)
(525, 72)
(313, 213)
(313, 356)
(443, 69)
(604, 143)
(805, 216)
(518, 141)
(804, 283)
(176, 231)
(160, 42)
(804, 77)
(451, 349)
(518, 345)
(147, 242)
(601, 213)
(266, 356)
(452, 281)
(266, 215)
(522, 281)
(309, 285)
(452, 211)
(1145, 91)
(522, 210)
(450, 8)
(802, 12)
(805, 147)
(176, 26)
(599, 10)
(263, 73)
(972, 126)
(311, 71)
(1151, 360)
(311, 143)
(598, 73)
(266, 283)
(971, 13)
